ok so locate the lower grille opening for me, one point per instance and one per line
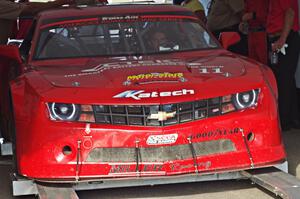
(162, 153)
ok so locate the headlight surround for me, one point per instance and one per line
(70, 112)
(245, 99)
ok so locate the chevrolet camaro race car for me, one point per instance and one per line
(107, 92)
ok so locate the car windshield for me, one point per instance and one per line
(115, 36)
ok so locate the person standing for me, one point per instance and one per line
(225, 16)
(254, 23)
(196, 7)
(10, 11)
(24, 24)
(283, 44)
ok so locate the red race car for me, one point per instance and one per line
(107, 92)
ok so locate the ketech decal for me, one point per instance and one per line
(139, 94)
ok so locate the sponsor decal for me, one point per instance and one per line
(143, 18)
(132, 168)
(211, 70)
(215, 133)
(118, 18)
(153, 167)
(120, 169)
(139, 94)
(201, 166)
(162, 139)
(207, 69)
(126, 64)
(147, 76)
(166, 76)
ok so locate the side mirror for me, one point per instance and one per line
(229, 38)
(10, 52)
(15, 42)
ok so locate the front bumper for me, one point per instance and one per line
(215, 145)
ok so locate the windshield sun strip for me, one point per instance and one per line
(75, 21)
(97, 20)
(169, 16)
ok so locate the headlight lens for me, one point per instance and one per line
(245, 99)
(65, 112)
(71, 112)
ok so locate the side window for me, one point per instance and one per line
(56, 40)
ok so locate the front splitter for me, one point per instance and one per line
(23, 186)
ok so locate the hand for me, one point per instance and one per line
(277, 45)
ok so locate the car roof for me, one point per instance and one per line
(69, 12)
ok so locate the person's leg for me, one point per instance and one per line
(297, 77)
(261, 49)
(286, 82)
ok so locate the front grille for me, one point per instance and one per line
(161, 154)
(139, 115)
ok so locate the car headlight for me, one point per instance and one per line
(71, 112)
(245, 99)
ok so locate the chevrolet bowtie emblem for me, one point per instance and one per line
(161, 116)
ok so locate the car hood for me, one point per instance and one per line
(146, 72)
(125, 77)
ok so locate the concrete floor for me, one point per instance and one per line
(232, 189)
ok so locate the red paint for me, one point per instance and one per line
(40, 140)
